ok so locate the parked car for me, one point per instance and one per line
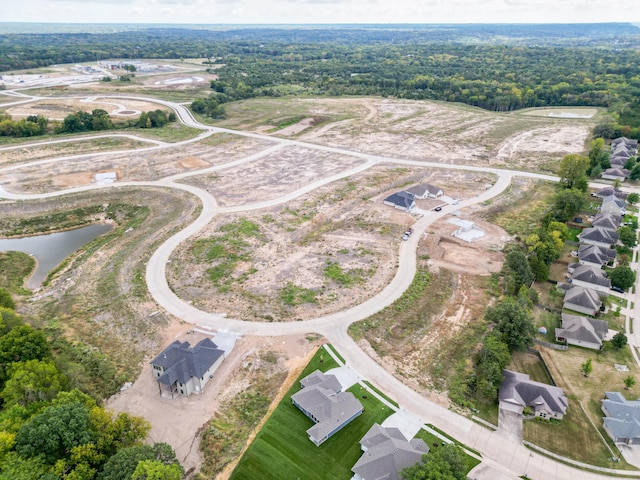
(407, 234)
(437, 209)
(617, 289)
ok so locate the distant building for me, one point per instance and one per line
(613, 205)
(547, 401)
(182, 370)
(616, 173)
(323, 401)
(386, 453)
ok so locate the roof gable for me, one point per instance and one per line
(181, 362)
(519, 388)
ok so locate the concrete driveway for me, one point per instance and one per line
(510, 421)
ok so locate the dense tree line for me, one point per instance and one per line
(50, 431)
(477, 65)
(79, 122)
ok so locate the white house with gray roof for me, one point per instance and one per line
(607, 221)
(622, 418)
(595, 256)
(582, 331)
(183, 370)
(323, 401)
(589, 276)
(519, 391)
(602, 237)
(580, 299)
(386, 452)
(614, 205)
(426, 190)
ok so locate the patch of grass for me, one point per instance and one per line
(525, 362)
(335, 352)
(171, 133)
(343, 277)
(15, 267)
(58, 221)
(293, 295)
(573, 234)
(226, 434)
(283, 451)
(231, 245)
(370, 385)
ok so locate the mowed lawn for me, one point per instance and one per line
(282, 450)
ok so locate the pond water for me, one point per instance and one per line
(50, 250)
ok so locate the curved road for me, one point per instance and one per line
(502, 457)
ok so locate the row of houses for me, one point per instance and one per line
(406, 199)
(386, 451)
(588, 283)
(622, 149)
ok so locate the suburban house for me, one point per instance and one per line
(619, 159)
(518, 391)
(616, 173)
(426, 191)
(582, 331)
(183, 370)
(386, 453)
(607, 221)
(601, 237)
(580, 299)
(627, 142)
(595, 256)
(401, 201)
(322, 400)
(590, 277)
(608, 191)
(622, 418)
(613, 205)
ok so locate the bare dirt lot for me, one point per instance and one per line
(422, 130)
(321, 253)
(57, 109)
(148, 165)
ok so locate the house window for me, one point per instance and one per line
(180, 384)
(181, 392)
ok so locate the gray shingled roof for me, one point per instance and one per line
(182, 362)
(598, 234)
(420, 190)
(607, 221)
(583, 297)
(401, 199)
(607, 191)
(518, 389)
(595, 254)
(591, 274)
(582, 329)
(326, 402)
(623, 416)
(389, 454)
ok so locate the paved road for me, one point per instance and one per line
(502, 457)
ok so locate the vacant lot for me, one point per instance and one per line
(419, 130)
(58, 109)
(151, 164)
(314, 255)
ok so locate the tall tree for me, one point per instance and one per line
(517, 264)
(444, 463)
(622, 276)
(33, 381)
(573, 172)
(514, 322)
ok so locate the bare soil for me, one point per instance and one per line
(57, 109)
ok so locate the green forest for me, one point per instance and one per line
(495, 67)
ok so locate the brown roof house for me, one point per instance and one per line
(622, 418)
(582, 331)
(426, 191)
(386, 453)
(580, 299)
(627, 142)
(517, 390)
(323, 401)
(183, 370)
(589, 276)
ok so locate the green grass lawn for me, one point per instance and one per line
(282, 449)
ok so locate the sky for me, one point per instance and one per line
(318, 11)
